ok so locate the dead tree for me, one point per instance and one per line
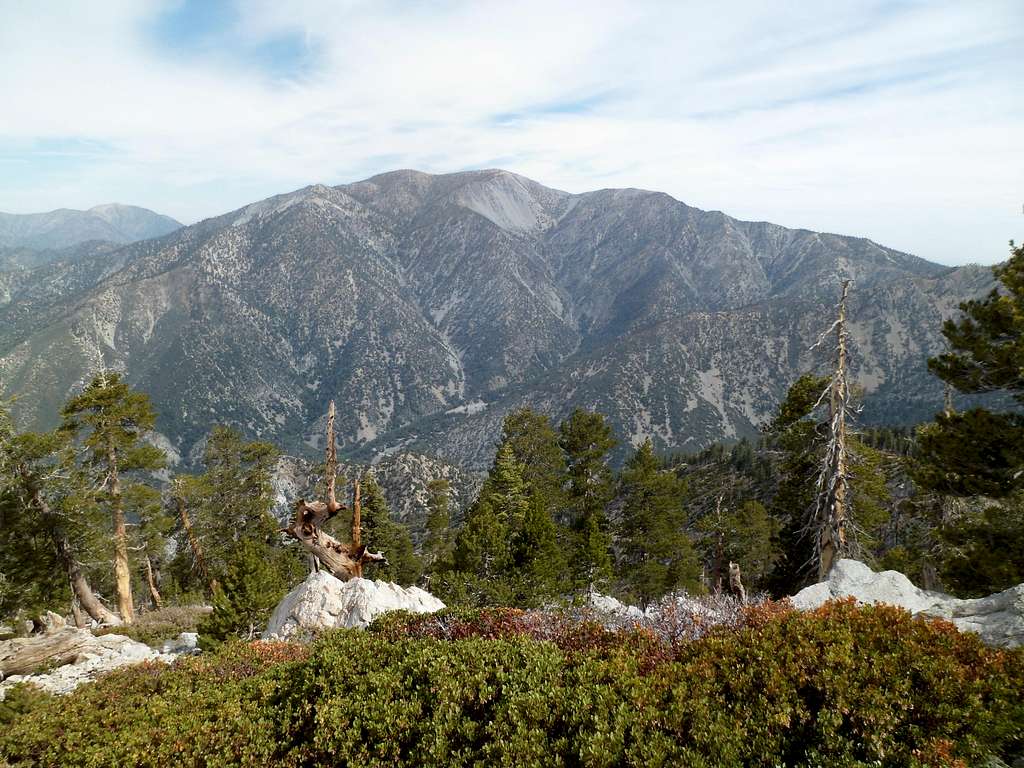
(344, 561)
(718, 565)
(831, 517)
(154, 593)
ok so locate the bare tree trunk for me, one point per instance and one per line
(76, 610)
(122, 573)
(193, 543)
(79, 584)
(343, 560)
(833, 484)
(154, 593)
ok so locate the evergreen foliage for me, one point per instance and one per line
(980, 452)
(110, 419)
(586, 439)
(746, 535)
(251, 586)
(229, 504)
(508, 551)
(657, 554)
(534, 443)
(438, 544)
(382, 533)
(47, 501)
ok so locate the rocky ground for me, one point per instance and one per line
(60, 660)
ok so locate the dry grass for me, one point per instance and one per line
(154, 628)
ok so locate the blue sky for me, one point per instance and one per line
(898, 121)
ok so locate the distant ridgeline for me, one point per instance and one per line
(429, 307)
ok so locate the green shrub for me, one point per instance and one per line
(839, 686)
(21, 699)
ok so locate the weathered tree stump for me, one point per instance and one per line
(345, 561)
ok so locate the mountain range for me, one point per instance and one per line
(65, 227)
(428, 306)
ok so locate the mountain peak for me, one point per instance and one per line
(66, 227)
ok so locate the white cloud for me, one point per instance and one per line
(897, 122)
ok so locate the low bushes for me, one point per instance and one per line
(838, 686)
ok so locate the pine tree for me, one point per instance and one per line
(483, 554)
(533, 442)
(252, 587)
(111, 419)
(586, 439)
(228, 505)
(480, 560)
(438, 544)
(746, 535)
(657, 554)
(382, 533)
(538, 560)
(980, 452)
(47, 525)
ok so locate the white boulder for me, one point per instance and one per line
(998, 618)
(325, 602)
(606, 604)
(185, 643)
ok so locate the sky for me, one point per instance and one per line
(898, 121)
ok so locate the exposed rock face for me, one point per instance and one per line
(324, 602)
(998, 619)
(70, 657)
(429, 306)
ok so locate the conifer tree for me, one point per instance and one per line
(508, 550)
(47, 525)
(480, 559)
(657, 554)
(978, 451)
(252, 587)
(437, 546)
(747, 535)
(539, 563)
(534, 443)
(239, 494)
(111, 419)
(586, 439)
(382, 533)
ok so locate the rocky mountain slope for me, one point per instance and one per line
(66, 227)
(403, 478)
(427, 306)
